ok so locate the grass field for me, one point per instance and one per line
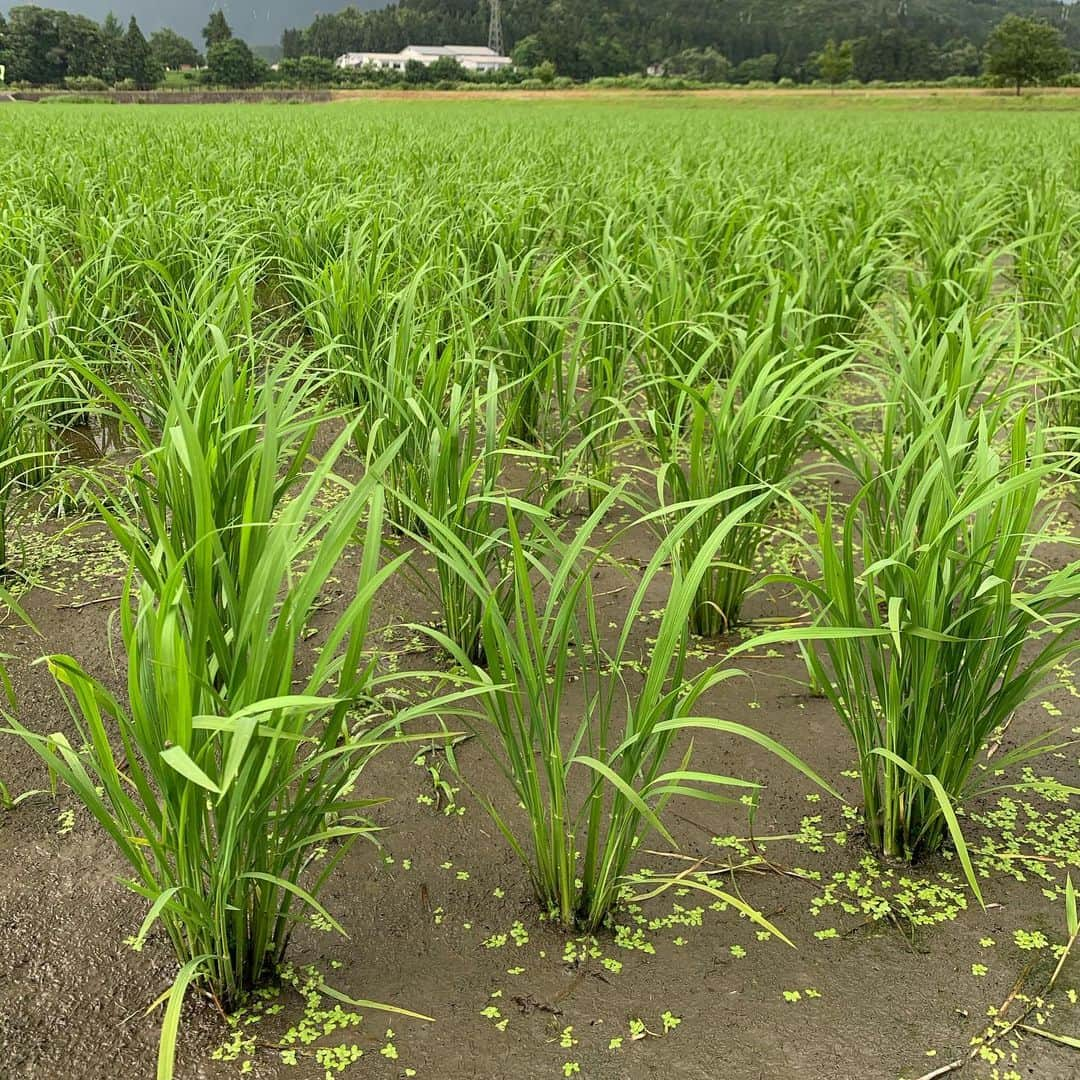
(540, 586)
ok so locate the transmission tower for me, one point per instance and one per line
(495, 34)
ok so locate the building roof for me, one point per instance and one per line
(450, 50)
(471, 50)
(357, 56)
(474, 55)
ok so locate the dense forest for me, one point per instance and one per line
(707, 40)
(897, 39)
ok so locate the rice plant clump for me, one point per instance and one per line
(227, 779)
(595, 786)
(935, 620)
(745, 436)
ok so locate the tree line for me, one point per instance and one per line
(43, 47)
(894, 40)
(708, 42)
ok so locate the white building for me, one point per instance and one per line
(470, 57)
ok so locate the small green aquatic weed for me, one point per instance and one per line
(1030, 939)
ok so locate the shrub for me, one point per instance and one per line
(85, 83)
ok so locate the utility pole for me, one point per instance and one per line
(495, 34)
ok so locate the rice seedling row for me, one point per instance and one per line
(478, 601)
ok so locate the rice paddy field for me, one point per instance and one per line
(539, 589)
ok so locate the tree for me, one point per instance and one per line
(527, 53)
(172, 51)
(416, 72)
(702, 65)
(79, 45)
(112, 48)
(137, 61)
(231, 63)
(315, 71)
(292, 44)
(758, 69)
(895, 55)
(216, 31)
(1022, 51)
(33, 47)
(835, 62)
(899, 39)
(448, 69)
(960, 57)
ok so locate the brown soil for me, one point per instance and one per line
(895, 1000)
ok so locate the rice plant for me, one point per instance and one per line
(40, 394)
(535, 302)
(1051, 315)
(463, 526)
(676, 315)
(957, 259)
(934, 620)
(743, 436)
(594, 787)
(220, 802)
(232, 764)
(837, 274)
(235, 433)
(1062, 380)
(393, 361)
(608, 339)
(926, 381)
(10, 610)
